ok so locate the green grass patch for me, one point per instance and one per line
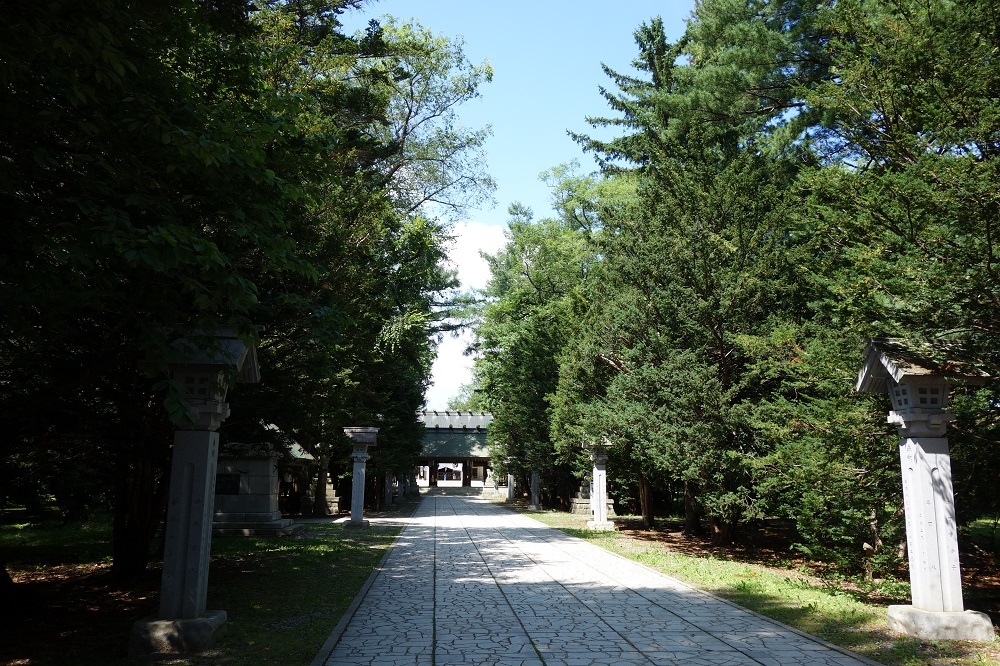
(833, 610)
(40, 542)
(985, 533)
(284, 595)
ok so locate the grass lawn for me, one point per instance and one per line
(283, 595)
(787, 591)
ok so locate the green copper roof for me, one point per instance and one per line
(442, 443)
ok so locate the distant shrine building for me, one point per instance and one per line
(454, 450)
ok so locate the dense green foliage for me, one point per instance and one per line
(789, 178)
(185, 166)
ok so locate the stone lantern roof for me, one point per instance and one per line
(899, 360)
(225, 351)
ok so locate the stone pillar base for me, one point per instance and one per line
(152, 636)
(606, 525)
(933, 626)
(355, 524)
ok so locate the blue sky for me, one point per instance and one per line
(546, 57)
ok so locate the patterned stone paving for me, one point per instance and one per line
(469, 582)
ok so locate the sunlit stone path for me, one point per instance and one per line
(469, 582)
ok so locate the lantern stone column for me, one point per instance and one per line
(919, 393)
(183, 623)
(599, 493)
(361, 438)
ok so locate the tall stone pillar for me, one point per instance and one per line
(919, 393)
(188, 529)
(510, 481)
(535, 491)
(361, 439)
(599, 495)
(184, 624)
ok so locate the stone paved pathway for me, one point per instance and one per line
(469, 582)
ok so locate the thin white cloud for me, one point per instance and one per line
(471, 238)
(452, 368)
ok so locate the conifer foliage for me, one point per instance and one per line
(786, 179)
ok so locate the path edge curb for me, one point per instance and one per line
(338, 631)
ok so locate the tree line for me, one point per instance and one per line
(785, 180)
(174, 167)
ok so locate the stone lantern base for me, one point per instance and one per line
(934, 626)
(153, 636)
(351, 524)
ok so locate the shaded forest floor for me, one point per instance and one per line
(283, 595)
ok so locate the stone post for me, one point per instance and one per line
(599, 494)
(510, 480)
(184, 624)
(361, 438)
(919, 395)
(414, 486)
(535, 491)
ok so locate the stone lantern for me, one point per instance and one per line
(599, 491)
(918, 387)
(204, 368)
(361, 438)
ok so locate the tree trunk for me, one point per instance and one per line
(872, 548)
(723, 531)
(692, 517)
(6, 586)
(141, 483)
(320, 507)
(33, 500)
(646, 502)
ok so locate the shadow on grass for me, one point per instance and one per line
(283, 595)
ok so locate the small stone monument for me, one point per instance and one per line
(599, 495)
(203, 367)
(361, 438)
(916, 378)
(581, 503)
(246, 498)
